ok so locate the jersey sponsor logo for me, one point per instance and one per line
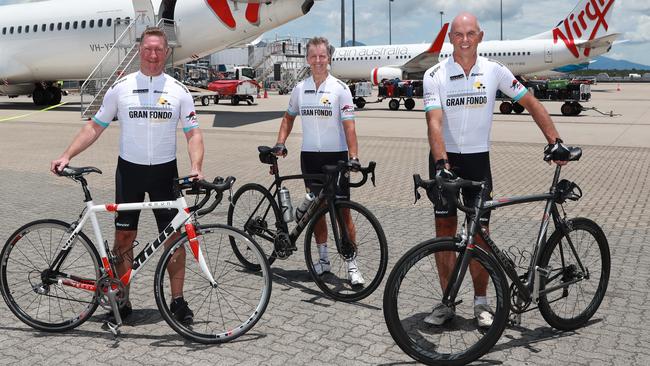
(325, 101)
(151, 114)
(316, 111)
(476, 74)
(310, 91)
(163, 101)
(479, 86)
(159, 92)
(324, 92)
(433, 72)
(466, 100)
(575, 26)
(456, 77)
(515, 85)
(191, 118)
(140, 91)
(347, 108)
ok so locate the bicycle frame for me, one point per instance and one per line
(181, 219)
(530, 289)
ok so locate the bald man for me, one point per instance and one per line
(459, 97)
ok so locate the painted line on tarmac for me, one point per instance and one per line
(29, 114)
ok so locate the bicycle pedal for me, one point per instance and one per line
(515, 320)
(113, 328)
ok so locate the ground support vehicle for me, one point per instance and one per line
(571, 93)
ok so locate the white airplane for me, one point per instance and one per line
(580, 36)
(46, 41)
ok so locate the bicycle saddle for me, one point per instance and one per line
(266, 155)
(77, 172)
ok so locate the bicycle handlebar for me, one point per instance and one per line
(449, 186)
(219, 185)
(331, 170)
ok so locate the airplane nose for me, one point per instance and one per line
(306, 6)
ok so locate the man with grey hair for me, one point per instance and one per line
(329, 135)
(459, 97)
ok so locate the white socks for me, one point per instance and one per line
(322, 252)
(480, 300)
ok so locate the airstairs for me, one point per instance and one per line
(120, 60)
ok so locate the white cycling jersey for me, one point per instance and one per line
(467, 101)
(322, 112)
(148, 108)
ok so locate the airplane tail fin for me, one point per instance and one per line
(588, 20)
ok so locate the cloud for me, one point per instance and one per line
(642, 32)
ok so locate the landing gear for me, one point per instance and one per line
(48, 95)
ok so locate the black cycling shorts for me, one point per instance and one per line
(313, 162)
(132, 181)
(474, 167)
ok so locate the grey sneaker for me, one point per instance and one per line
(440, 314)
(322, 266)
(484, 315)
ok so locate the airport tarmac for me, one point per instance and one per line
(301, 326)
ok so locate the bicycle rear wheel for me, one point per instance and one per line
(414, 288)
(574, 295)
(33, 293)
(368, 248)
(254, 211)
(226, 310)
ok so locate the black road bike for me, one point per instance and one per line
(257, 210)
(566, 279)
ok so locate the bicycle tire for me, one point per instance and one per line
(242, 214)
(408, 300)
(577, 303)
(26, 254)
(227, 310)
(371, 254)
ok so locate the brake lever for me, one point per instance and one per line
(416, 181)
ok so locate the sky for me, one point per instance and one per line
(418, 21)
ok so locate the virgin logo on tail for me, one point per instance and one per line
(223, 12)
(583, 23)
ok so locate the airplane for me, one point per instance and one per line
(574, 40)
(43, 42)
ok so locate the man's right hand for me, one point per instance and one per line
(446, 174)
(56, 166)
(280, 150)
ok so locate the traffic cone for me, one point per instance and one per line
(618, 87)
(266, 95)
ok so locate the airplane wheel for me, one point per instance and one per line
(505, 108)
(567, 109)
(55, 95)
(205, 101)
(518, 108)
(360, 102)
(38, 96)
(393, 104)
(409, 104)
(234, 100)
(577, 108)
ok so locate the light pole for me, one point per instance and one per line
(354, 41)
(390, 25)
(501, 7)
(441, 13)
(342, 23)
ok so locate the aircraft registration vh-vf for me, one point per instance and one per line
(47, 41)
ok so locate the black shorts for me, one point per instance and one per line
(132, 181)
(313, 162)
(474, 167)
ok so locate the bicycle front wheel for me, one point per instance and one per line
(366, 247)
(32, 292)
(578, 263)
(226, 309)
(414, 288)
(254, 211)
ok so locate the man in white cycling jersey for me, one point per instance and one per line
(148, 105)
(459, 97)
(325, 106)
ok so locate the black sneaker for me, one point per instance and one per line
(181, 311)
(125, 312)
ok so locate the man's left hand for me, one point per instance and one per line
(355, 165)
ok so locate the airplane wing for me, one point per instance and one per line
(429, 57)
(603, 41)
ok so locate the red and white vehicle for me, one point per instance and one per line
(241, 86)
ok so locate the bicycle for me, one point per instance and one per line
(53, 278)
(257, 211)
(566, 278)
